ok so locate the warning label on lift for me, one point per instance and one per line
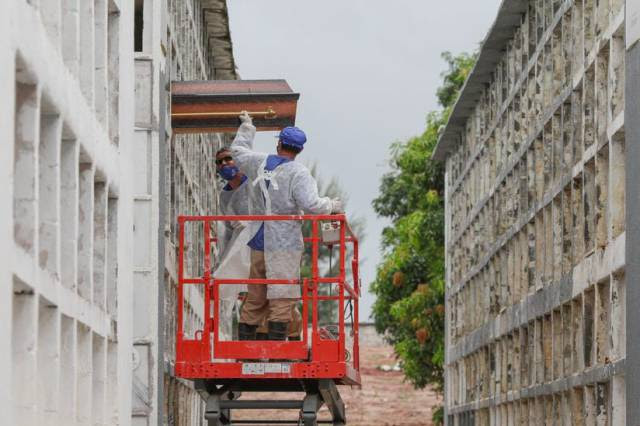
(259, 368)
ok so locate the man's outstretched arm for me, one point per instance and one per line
(242, 145)
(305, 194)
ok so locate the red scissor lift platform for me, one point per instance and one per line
(223, 369)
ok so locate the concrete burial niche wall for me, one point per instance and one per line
(174, 40)
(536, 227)
(66, 325)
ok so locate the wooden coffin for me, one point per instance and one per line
(214, 106)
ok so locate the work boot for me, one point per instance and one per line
(246, 331)
(278, 330)
(262, 336)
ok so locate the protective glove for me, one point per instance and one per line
(245, 118)
(336, 206)
(236, 224)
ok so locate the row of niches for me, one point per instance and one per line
(584, 332)
(86, 34)
(52, 352)
(600, 403)
(191, 190)
(65, 212)
(566, 54)
(182, 404)
(191, 184)
(190, 56)
(547, 206)
(550, 140)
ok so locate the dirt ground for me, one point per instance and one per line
(384, 399)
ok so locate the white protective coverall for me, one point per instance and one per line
(292, 191)
(235, 255)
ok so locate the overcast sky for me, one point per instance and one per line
(367, 72)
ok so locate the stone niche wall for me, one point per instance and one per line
(190, 189)
(536, 228)
(64, 191)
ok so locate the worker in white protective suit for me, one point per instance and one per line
(279, 186)
(234, 199)
(233, 238)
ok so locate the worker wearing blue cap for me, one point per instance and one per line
(280, 186)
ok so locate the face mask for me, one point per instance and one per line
(228, 172)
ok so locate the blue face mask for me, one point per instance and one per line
(228, 172)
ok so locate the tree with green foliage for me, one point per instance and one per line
(409, 284)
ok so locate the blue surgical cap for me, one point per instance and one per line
(292, 136)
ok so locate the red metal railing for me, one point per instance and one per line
(202, 356)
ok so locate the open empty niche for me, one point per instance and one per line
(578, 220)
(87, 49)
(491, 358)
(68, 207)
(101, 60)
(48, 360)
(602, 197)
(589, 195)
(27, 102)
(617, 77)
(602, 403)
(539, 249)
(588, 327)
(49, 186)
(24, 334)
(111, 410)
(100, 197)
(112, 255)
(567, 230)
(590, 405)
(67, 366)
(567, 137)
(539, 168)
(84, 377)
(557, 237)
(548, 409)
(557, 344)
(589, 26)
(567, 339)
(577, 120)
(85, 226)
(589, 107)
(577, 26)
(529, 360)
(577, 405)
(547, 239)
(558, 60)
(99, 379)
(514, 361)
(617, 195)
(113, 70)
(577, 327)
(618, 316)
(539, 352)
(602, 97)
(547, 348)
(524, 412)
(603, 322)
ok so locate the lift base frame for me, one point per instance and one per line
(221, 398)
